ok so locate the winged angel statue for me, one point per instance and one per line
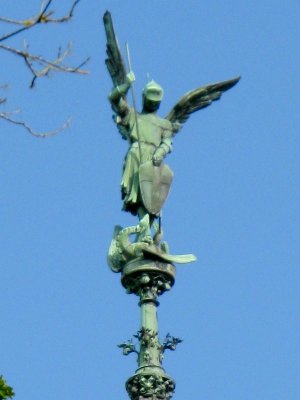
(146, 178)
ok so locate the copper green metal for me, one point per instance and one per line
(149, 279)
(138, 252)
(149, 136)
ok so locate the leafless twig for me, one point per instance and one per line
(31, 59)
(43, 17)
(38, 65)
(55, 65)
(7, 116)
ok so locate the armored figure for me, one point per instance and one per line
(149, 136)
(138, 252)
(146, 178)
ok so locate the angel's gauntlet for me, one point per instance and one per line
(163, 149)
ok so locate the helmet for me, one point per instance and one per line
(153, 91)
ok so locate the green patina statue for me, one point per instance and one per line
(146, 178)
(150, 139)
(138, 252)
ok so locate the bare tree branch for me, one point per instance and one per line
(55, 65)
(67, 17)
(7, 116)
(30, 59)
(40, 18)
(45, 5)
(38, 65)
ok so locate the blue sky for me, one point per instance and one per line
(234, 203)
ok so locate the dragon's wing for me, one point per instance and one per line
(197, 99)
(114, 61)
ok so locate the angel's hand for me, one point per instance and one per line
(176, 126)
(157, 160)
(130, 77)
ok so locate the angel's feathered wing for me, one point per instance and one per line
(197, 99)
(114, 61)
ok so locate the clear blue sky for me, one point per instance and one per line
(234, 203)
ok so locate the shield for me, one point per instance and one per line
(155, 183)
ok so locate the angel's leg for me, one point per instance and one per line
(145, 234)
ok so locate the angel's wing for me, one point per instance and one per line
(197, 99)
(114, 61)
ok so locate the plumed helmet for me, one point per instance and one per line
(153, 91)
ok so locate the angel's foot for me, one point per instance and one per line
(157, 237)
